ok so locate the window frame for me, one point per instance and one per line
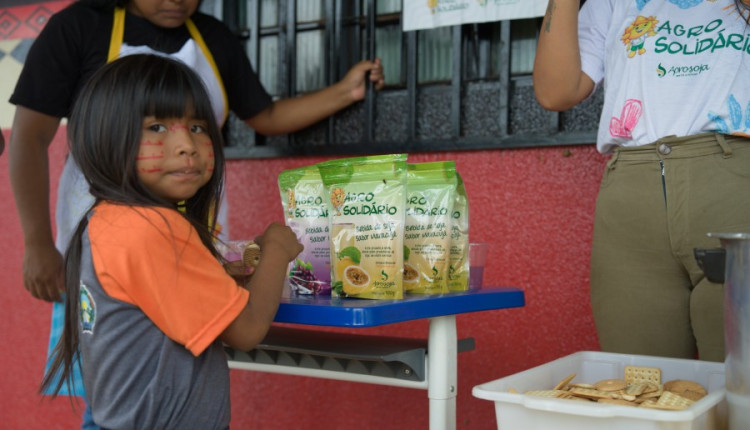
(512, 95)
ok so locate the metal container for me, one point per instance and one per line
(737, 326)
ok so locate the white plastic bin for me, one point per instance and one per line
(516, 411)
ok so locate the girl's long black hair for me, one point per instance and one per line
(743, 7)
(104, 134)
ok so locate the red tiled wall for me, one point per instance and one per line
(535, 208)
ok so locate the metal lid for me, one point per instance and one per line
(730, 235)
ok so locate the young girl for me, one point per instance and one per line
(148, 302)
(675, 120)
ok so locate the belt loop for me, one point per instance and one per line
(724, 145)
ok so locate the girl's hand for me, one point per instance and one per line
(281, 237)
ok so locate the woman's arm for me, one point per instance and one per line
(293, 114)
(30, 138)
(559, 82)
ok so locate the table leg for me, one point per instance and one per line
(442, 363)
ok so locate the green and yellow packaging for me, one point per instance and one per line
(430, 196)
(306, 212)
(458, 271)
(366, 199)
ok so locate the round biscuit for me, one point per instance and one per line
(610, 385)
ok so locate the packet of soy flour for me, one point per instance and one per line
(306, 212)
(458, 270)
(366, 198)
(430, 196)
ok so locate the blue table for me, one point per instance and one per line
(442, 343)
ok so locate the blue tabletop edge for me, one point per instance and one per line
(339, 312)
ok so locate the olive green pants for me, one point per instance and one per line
(656, 204)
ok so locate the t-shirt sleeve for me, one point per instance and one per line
(593, 24)
(52, 70)
(154, 259)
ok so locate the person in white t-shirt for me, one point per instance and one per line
(676, 121)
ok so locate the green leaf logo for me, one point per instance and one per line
(384, 276)
(406, 253)
(338, 287)
(351, 252)
(661, 71)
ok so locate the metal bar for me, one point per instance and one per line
(368, 136)
(411, 83)
(330, 56)
(456, 82)
(291, 50)
(503, 68)
(252, 47)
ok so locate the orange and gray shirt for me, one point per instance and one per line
(153, 301)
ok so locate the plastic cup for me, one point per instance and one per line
(477, 260)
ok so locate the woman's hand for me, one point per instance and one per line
(43, 272)
(356, 78)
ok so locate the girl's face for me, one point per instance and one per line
(163, 13)
(176, 157)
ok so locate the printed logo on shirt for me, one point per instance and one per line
(676, 39)
(681, 70)
(87, 308)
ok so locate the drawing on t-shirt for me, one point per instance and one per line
(636, 33)
(682, 4)
(739, 119)
(629, 117)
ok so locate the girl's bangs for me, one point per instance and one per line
(174, 98)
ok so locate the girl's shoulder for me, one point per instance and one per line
(138, 223)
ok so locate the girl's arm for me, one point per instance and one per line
(279, 246)
(559, 82)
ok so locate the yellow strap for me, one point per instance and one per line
(196, 35)
(118, 29)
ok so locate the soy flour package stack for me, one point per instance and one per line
(377, 228)
(458, 270)
(366, 199)
(431, 193)
(306, 212)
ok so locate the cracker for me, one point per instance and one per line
(688, 389)
(590, 393)
(616, 402)
(610, 385)
(636, 389)
(670, 401)
(547, 393)
(652, 394)
(581, 385)
(564, 383)
(635, 374)
(251, 255)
